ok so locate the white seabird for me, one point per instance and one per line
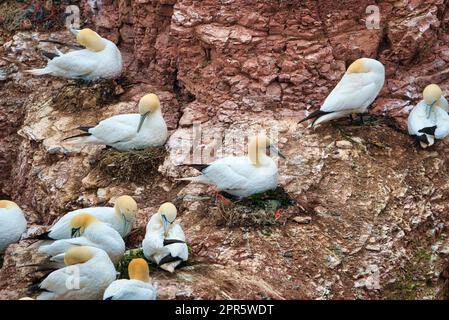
(242, 176)
(128, 131)
(12, 223)
(100, 60)
(138, 287)
(355, 92)
(164, 241)
(121, 218)
(88, 231)
(88, 272)
(429, 119)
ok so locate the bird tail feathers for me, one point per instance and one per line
(38, 72)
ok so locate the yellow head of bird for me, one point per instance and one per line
(6, 204)
(138, 270)
(90, 39)
(432, 93)
(77, 255)
(149, 103)
(80, 222)
(127, 206)
(169, 211)
(358, 66)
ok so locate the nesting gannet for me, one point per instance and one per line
(242, 176)
(129, 131)
(89, 231)
(12, 223)
(88, 272)
(429, 119)
(100, 60)
(354, 93)
(120, 218)
(164, 241)
(138, 287)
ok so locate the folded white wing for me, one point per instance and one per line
(120, 128)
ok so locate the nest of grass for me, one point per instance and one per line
(259, 210)
(131, 166)
(33, 14)
(80, 95)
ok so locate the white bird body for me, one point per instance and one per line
(98, 235)
(81, 281)
(238, 176)
(12, 224)
(62, 230)
(129, 131)
(130, 289)
(153, 243)
(86, 64)
(120, 132)
(355, 92)
(429, 119)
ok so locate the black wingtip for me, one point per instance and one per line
(167, 259)
(108, 298)
(85, 129)
(49, 55)
(428, 130)
(423, 139)
(314, 115)
(172, 241)
(86, 134)
(43, 236)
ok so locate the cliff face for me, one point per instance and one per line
(376, 203)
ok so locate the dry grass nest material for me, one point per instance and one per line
(131, 166)
(259, 210)
(79, 95)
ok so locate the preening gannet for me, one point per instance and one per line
(88, 272)
(354, 93)
(120, 218)
(429, 119)
(164, 241)
(129, 131)
(89, 231)
(100, 60)
(12, 223)
(242, 176)
(138, 287)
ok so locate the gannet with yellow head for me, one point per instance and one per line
(12, 224)
(137, 287)
(165, 242)
(242, 176)
(87, 273)
(429, 119)
(101, 59)
(120, 217)
(87, 230)
(129, 131)
(355, 92)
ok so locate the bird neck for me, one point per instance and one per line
(257, 157)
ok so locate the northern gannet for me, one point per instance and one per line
(100, 60)
(164, 241)
(138, 287)
(129, 131)
(242, 176)
(429, 119)
(120, 218)
(12, 223)
(88, 231)
(354, 93)
(88, 272)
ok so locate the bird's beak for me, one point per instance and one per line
(275, 150)
(429, 109)
(142, 119)
(166, 223)
(74, 31)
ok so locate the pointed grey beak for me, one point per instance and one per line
(165, 222)
(142, 119)
(74, 31)
(429, 108)
(275, 150)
